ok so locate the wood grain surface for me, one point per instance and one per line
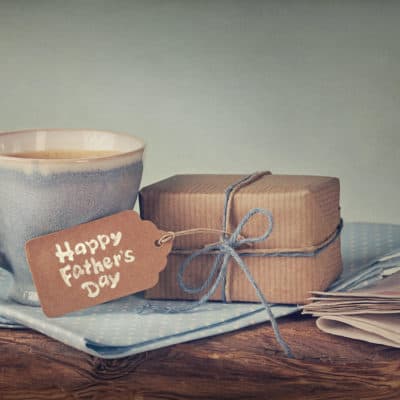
(246, 364)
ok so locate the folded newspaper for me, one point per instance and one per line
(370, 314)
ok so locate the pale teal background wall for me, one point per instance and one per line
(219, 86)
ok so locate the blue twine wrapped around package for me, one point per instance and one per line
(229, 248)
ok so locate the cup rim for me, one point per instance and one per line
(140, 149)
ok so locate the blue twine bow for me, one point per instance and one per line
(226, 249)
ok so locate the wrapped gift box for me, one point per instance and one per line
(302, 254)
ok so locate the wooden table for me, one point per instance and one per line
(247, 364)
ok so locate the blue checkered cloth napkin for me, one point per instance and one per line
(118, 328)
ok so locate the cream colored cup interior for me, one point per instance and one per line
(65, 139)
(128, 149)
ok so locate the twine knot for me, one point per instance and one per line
(227, 248)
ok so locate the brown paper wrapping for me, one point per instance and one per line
(306, 213)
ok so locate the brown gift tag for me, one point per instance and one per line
(96, 262)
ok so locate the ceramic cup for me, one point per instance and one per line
(40, 196)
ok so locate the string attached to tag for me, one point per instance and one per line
(225, 250)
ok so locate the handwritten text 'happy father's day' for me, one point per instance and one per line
(99, 271)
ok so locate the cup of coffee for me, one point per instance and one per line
(52, 179)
